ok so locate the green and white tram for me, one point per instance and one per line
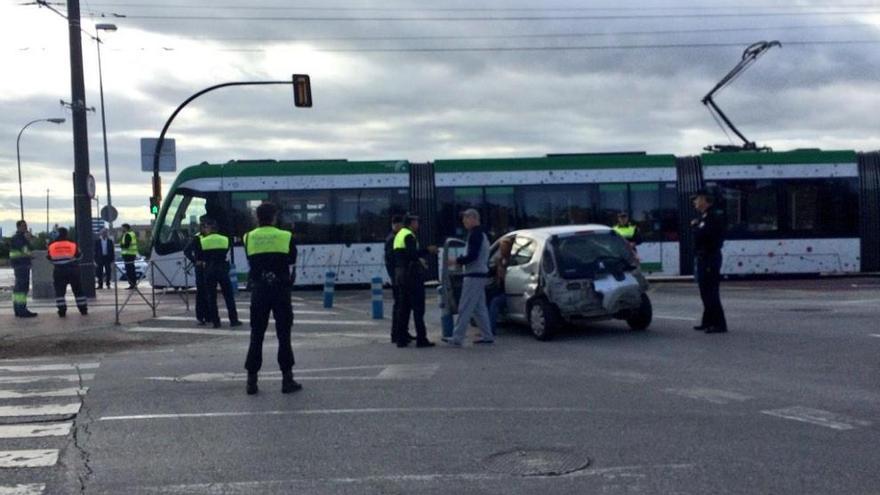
(337, 209)
(796, 212)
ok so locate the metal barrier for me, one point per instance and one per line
(152, 302)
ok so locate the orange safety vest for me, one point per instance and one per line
(62, 251)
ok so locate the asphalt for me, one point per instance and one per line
(787, 402)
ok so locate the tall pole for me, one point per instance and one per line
(47, 213)
(82, 205)
(18, 157)
(103, 119)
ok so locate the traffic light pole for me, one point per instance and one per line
(302, 94)
(82, 205)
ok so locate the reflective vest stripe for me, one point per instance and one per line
(132, 249)
(400, 238)
(214, 242)
(265, 240)
(62, 251)
(625, 231)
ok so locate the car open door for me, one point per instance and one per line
(451, 277)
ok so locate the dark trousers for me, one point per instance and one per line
(130, 273)
(218, 273)
(411, 299)
(201, 291)
(103, 271)
(708, 274)
(20, 289)
(266, 298)
(395, 292)
(63, 276)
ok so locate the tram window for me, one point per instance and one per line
(310, 213)
(243, 217)
(612, 200)
(752, 206)
(180, 223)
(543, 206)
(500, 211)
(822, 207)
(364, 215)
(654, 208)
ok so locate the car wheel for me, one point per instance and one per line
(641, 319)
(543, 319)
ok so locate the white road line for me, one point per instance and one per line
(26, 489)
(670, 317)
(39, 410)
(61, 392)
(190, 331)
(875, 335)
(408, 372)
(46, 378)
(28, 458)
(329, 412)
(710, 395)
(817, 417)
(35, 430)
(295, 312)
(50, 367)
(279, 486)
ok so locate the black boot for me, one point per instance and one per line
(62, 312)
(288, 384)
(83, 310)
(252, 384)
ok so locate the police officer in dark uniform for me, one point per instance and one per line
(213, 248)
(194, 255)
(271, 254)
(409, 276)
(709, 228)
(20, 260)
(396, 225)
(65, 255)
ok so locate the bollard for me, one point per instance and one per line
(376, 291)
(233, 278)
(446, 321)
(329, 287)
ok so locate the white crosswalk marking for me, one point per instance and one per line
(28, 458)
(408, 372)
(46, 378)
(49, 367)
(26, 489)
(61, 392)
(39, 410)
(710, 395)
(35, 430)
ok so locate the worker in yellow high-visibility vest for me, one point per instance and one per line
(129, 249)
(271, 254)
(627, 230)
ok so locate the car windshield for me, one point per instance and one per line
(587, 254)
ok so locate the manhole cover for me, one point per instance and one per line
(538, 462)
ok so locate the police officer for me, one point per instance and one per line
(627, 230)
(212, 248)
(396, 225)
(65, 255)
(708, 229)
(20, 260)
(194, 254)
(129, 245)
(271, 254)
(409, 276)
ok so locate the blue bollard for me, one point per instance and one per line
(446, 321)
(233, 278)
(329, 288)
(376, 291)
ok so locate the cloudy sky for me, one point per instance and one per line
(422, 80)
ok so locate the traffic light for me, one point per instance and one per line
(302, 90)
(154, 206)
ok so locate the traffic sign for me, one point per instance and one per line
(109, 213)
(97, 225)
(167, 158)
(90, 187)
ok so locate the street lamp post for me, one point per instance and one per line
(18, 155)
(98, 29)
